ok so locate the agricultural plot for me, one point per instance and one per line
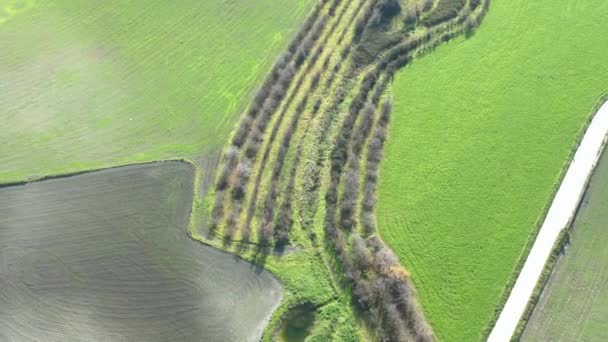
(105, 256)
(573, 305)
(476, 149)
(85, 85)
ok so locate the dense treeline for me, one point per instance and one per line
(250, 132)
(384, 293)
(380, 285)
(284, 221)
(351, 187)
(363, 20)
(281, 231)
(312, 177)
(383, 11)
(374, 156)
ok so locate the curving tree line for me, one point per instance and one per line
(335, 107)
(249, 135)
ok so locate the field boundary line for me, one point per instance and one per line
(103, 168)
(561, 213)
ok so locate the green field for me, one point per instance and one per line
(481, 131)
(93, 84)
(574, 304)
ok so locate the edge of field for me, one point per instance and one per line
(530, 242)
(558, 248)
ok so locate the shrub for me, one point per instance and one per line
(314, 82)
(365, 126)
(426, 5)
(360, 254)
(363, 20)
(368, 221)
(333, 7)
(349, 197)
(241, 134)
(444, 11)
(230, 161)
(410, 15)
(283, 224)
(240, 180)
(217, 213)
(470, 24)
(383, 11)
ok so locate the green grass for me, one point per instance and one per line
(574, 304)
(93, 84)
(481, 131)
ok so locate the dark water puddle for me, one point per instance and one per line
(298, 323)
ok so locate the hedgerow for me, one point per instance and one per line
(352, 129)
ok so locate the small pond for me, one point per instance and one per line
(298, 323)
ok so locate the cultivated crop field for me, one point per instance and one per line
(104, 256)
(481, 131)
(86, 85)
(574, 303)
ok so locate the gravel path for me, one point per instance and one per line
(560, 215)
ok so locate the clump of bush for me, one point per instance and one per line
(384, 11)
(348, 204)
(250, 133)
(444, 11)
(363, 20)
(426, 5)
(351, 187)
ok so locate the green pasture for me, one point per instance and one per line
(91, 84)
(481, 132)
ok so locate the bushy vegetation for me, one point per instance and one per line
(352, 124)
(443, 11)
(380, 285)
(252, 127)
